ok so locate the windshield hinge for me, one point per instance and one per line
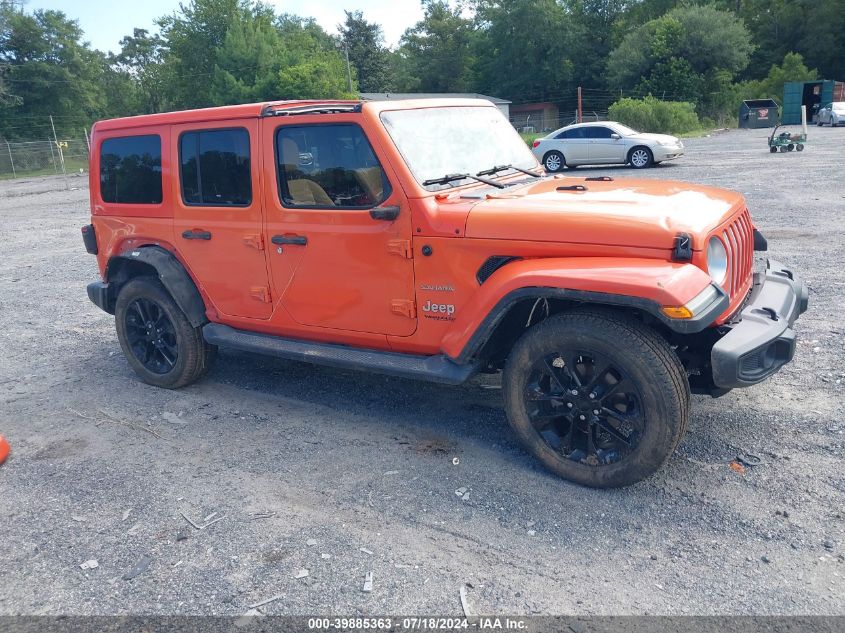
(404, 307)
(401, 248)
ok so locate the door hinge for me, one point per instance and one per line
(404, 307)
(261, 293)
(256, 241)
(401, 248)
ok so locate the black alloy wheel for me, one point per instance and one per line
(151, 336)
(584, 407)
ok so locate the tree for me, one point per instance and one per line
(686, 54)
(436, 54)
(266, 58)
(49, 70)
(192, 37)
(364, 42)
(236, 51)
(595, 25)
(525, 49)
(791, 69)
(142, 58)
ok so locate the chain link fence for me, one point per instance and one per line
(42, 158)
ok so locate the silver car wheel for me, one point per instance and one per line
(640, 158)
(552, 162)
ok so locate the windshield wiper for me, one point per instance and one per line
(498, 168)
(445, 180)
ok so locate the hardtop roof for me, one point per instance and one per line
(268, 108)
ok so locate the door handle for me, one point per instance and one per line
(384, 213)
(299, 240)
(196, 235)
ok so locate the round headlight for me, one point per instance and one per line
(717, 260)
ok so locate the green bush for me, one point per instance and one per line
(653, 115)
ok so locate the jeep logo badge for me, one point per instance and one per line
(441, 311)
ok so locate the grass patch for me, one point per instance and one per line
(72, 166)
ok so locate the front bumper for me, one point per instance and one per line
(667, 152)
(761, 341)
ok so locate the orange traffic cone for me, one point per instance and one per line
(4, 449)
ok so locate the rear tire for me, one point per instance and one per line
(159, 342)
(554, 161)
(597, 397)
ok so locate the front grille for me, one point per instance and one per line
(738, 237)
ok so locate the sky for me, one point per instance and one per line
(105, 22)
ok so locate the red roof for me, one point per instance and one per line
(244, 111)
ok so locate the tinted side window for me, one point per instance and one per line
(575, 133)
(214, 167)
(328, 166)
(130, 170)
(598, 132)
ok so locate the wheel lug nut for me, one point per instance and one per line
(574, 392)
(595, 411)
(581, 417)
(593, 396)
(568, 405)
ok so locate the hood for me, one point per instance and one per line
(657, 138)
(643, 213)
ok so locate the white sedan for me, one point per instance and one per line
(604, 143)
(832, 113)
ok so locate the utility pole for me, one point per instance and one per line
(61, 154)
(348, 69)
(87, 140)
(52, 156)
(8, 147)
(580, 107)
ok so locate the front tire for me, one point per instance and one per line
(640, 157)
(554, 161)
(157, 339)
(598, 398)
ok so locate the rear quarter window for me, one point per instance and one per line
(130, 170)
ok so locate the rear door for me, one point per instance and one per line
(603, 148)
(573, 144)
(218, 216)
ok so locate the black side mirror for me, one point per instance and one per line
(384, 213)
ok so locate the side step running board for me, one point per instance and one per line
(431, 368)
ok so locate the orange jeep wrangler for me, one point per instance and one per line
(421, 239)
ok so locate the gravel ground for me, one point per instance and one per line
(357, 469)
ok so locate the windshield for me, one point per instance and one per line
(455, 140)
(624, 130)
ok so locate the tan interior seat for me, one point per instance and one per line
(371, 181)
(302, 190)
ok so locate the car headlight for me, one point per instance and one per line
(717, 260)
(673, 143)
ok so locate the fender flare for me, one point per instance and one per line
(171, 273)
(642, 284)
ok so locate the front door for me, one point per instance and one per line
(338, 227)
(603, 148)
(217, 214)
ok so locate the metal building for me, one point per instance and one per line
(813, 94)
